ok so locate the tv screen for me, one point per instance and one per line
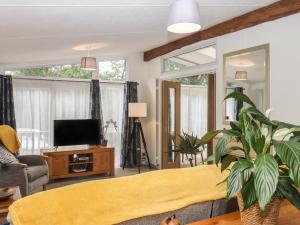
(76, 132)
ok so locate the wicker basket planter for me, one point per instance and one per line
(254, 216)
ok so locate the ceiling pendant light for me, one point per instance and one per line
(241, 75)
(88, 63)
(184, 17)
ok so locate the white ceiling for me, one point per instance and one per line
(43, 30)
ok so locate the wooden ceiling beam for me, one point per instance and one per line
(271, 12)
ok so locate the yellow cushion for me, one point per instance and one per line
(9, 138)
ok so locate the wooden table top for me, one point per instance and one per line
(4, 205)
(289, 215)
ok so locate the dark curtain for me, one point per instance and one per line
(239, 104)
(95, 105)
(7, 109)
(130, 95)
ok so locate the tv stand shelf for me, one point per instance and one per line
(84, 162)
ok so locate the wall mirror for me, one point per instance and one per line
(246, 71)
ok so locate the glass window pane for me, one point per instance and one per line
(195, 58)
(171, 125)
(63, 71)
(112, 70)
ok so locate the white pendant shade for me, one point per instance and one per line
(184, 17)
(88, 63)
(137, 110)
(241, 75)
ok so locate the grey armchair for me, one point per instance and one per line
(31, 174)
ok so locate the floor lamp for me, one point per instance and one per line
(136, 111)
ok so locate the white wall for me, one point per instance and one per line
(283, 35)
(138, 71)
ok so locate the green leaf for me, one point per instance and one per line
(245, 164)
(253, 135)
(244, 121)
(221, 147)
(233, 133)
(246, 146)
(235, 181)
(278, 159)
(240, 97)
(239, 174)
(288, 191)
(235, 125)
(265, 178)
(210, 158)
(226, 162)
(289, 152)
(295, 138)
(248, 193)
(282, 125)
(208, 137)
(258, 116)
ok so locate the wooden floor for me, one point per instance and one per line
(289, 215)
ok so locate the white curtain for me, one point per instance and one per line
(33, 114)
(112, 97)
(194, 109)
(71, 100)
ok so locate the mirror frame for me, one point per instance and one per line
(265, 47)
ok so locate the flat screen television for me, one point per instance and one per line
(76, 132)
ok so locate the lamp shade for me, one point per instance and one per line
(241, 75)
(184, 17)
(137, 110)
(88, 63)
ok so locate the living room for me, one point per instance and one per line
(111, 95)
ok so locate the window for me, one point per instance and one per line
(63, 71)
(195, 58)
(112, 70)
(39, 102)
(201, 80)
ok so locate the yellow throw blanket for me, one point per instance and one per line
(9, 138)
(112, 201)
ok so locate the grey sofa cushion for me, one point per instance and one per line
(36, 186)
(35, 172)
(6, 157)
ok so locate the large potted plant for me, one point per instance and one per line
(262, 181)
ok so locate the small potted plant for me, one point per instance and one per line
(189, 147)
(273, 174)
(108, 123)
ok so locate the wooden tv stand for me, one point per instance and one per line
(94, 160)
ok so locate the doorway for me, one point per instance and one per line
(188, 106)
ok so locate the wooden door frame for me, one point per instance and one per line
(164, 128)
(211, 113)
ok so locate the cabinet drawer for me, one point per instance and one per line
(101, 161)
(60, 166)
